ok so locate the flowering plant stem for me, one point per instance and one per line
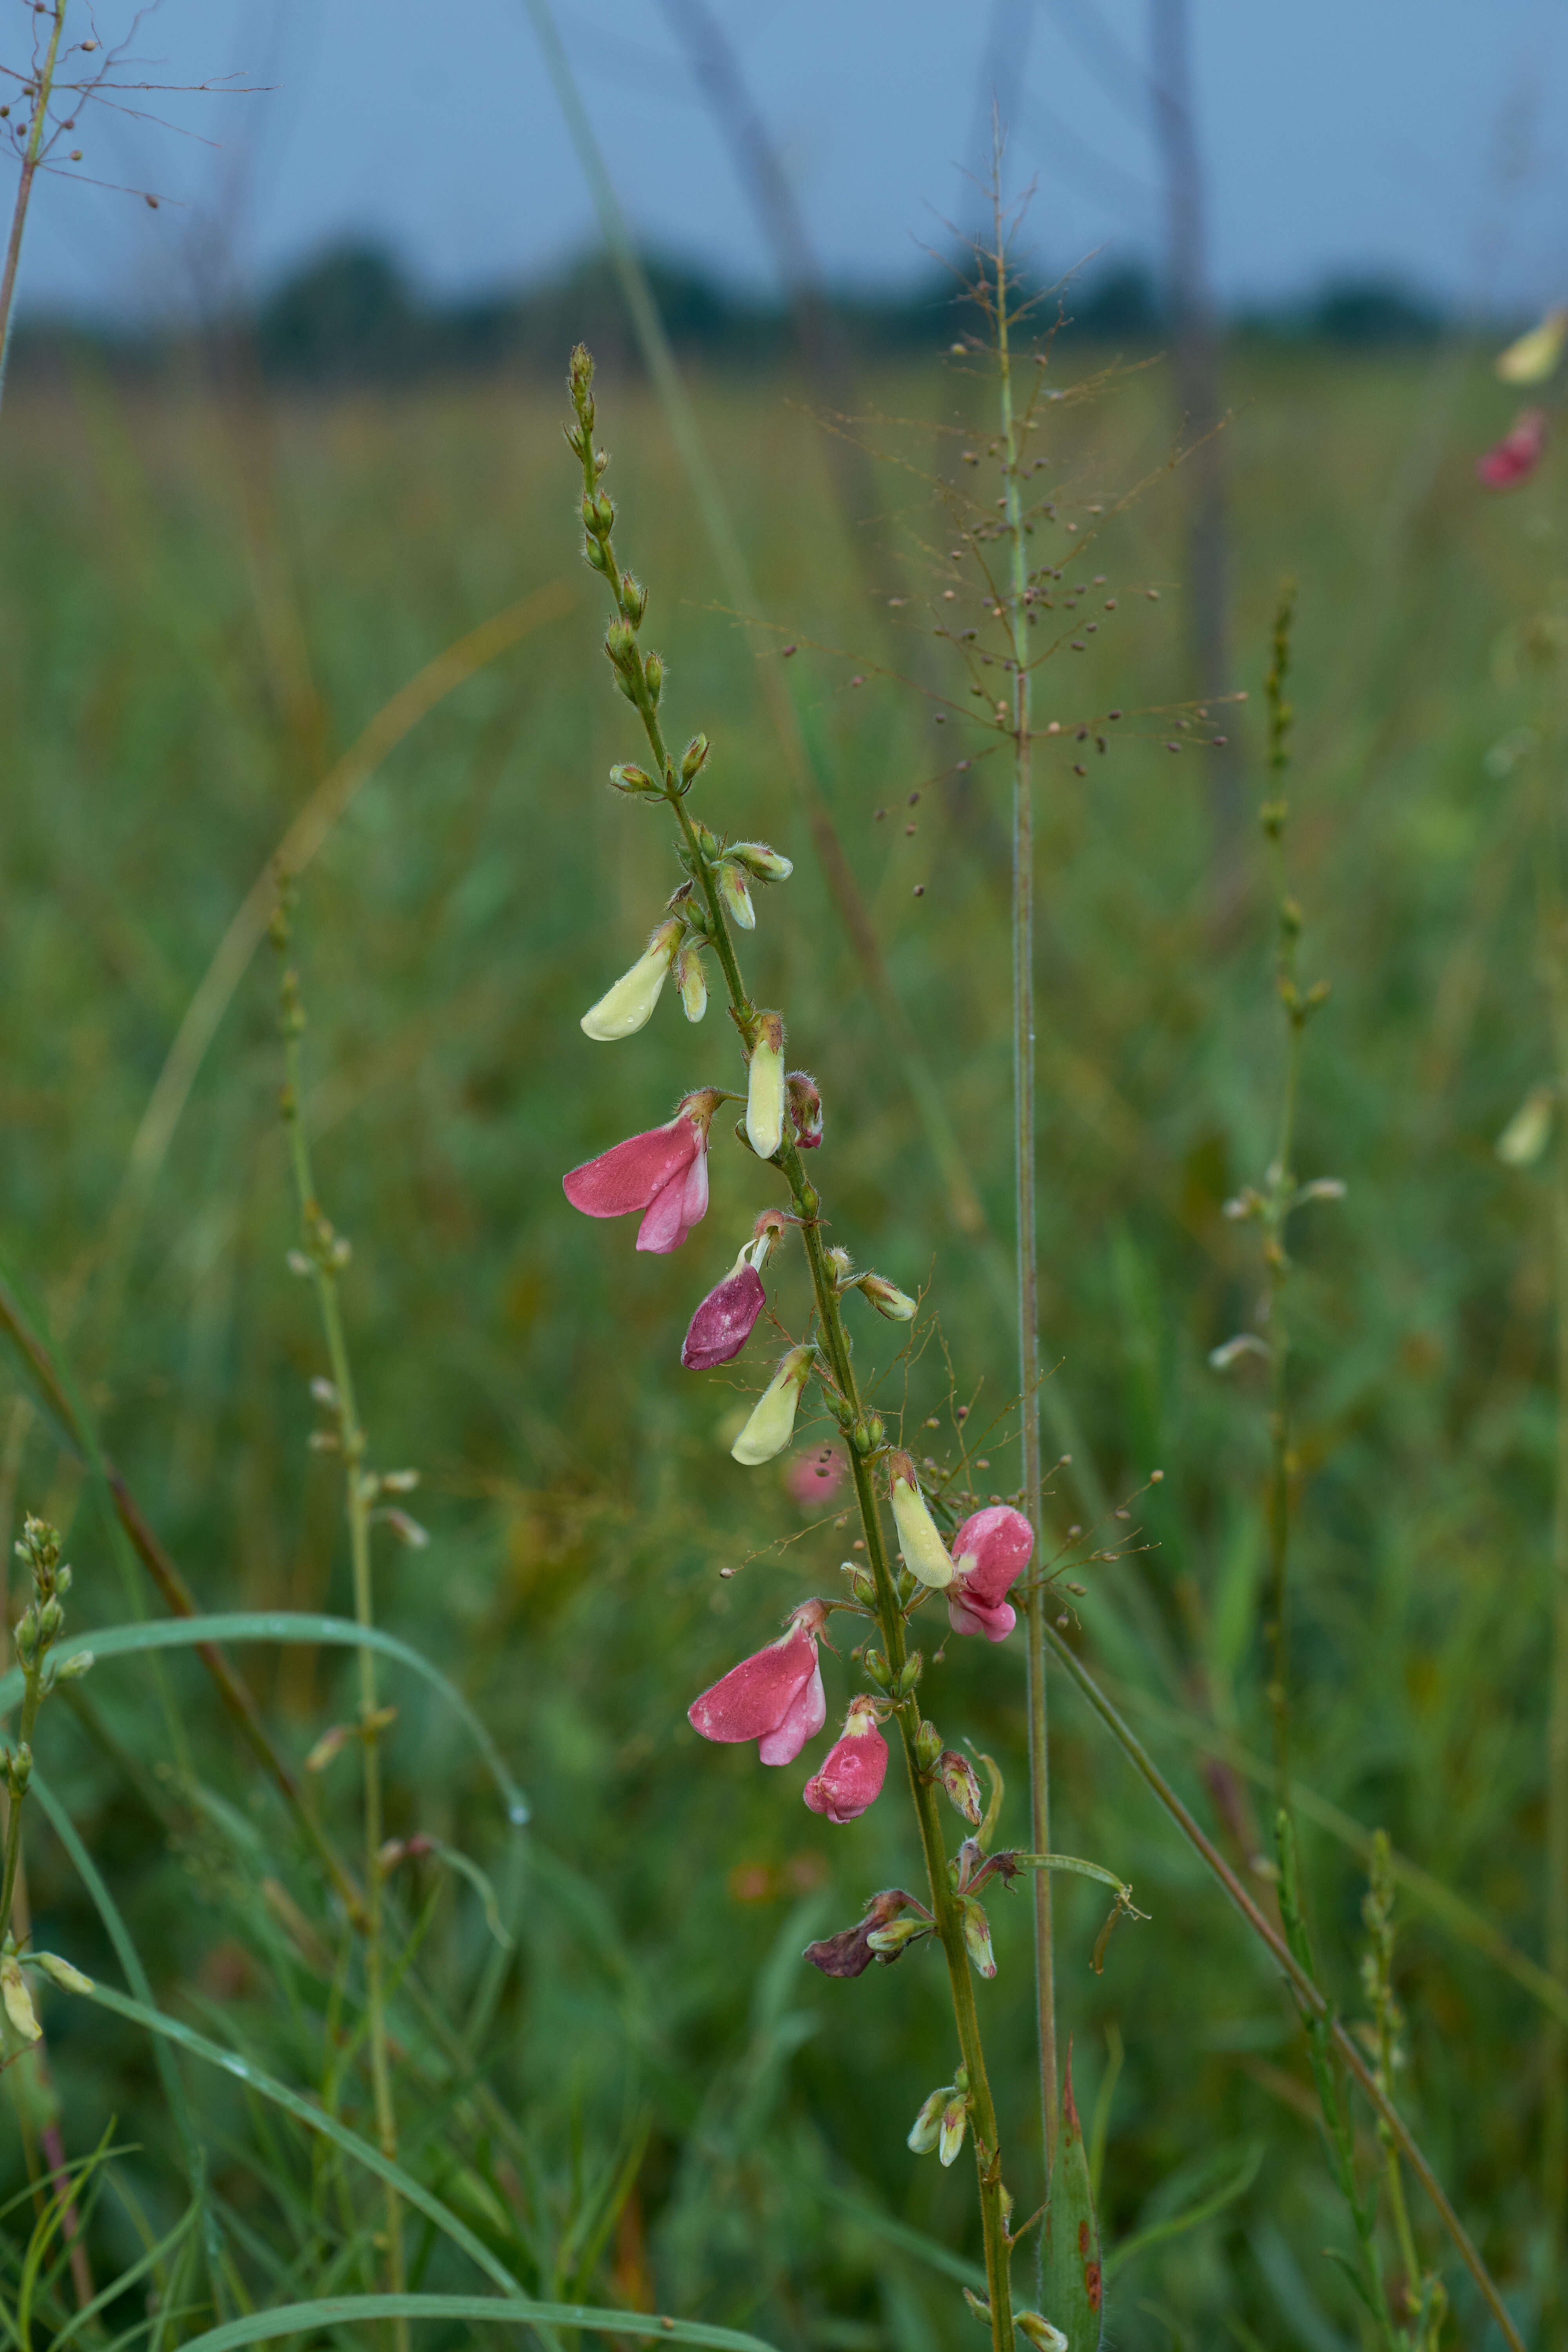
(862, 1432)
(327, 1252)
(1029, 1303)
(31, 156)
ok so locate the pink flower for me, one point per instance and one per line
(988, 1552)
(853, 1769)
(1518, 454)
(773, 1697)
(816, 1477)
(723, 1323)
(663, 1173)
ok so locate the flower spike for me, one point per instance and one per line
(625, 1008)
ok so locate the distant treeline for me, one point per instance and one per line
(353, 315)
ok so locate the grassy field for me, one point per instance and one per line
(205, 599)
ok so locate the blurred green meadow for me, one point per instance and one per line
(206, 594)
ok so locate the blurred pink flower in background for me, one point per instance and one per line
(1517, 455)
(816, 1477)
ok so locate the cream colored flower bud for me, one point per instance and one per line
(765, 1089)
(887, 1298)
(691, 981)
(62, 1972)
(18, 2000)
(927, 2124)
(771, 1425)
(924, 1553)
(736, 896)
(766, 864)
(624, 1009)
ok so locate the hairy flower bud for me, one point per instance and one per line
(958, 1777)
(620, 644)
(627, 777)
(653, 675)
(771, 1425)
(923, 1553)
(927, 2125)
(886, 1297)
(928, 1745)
(691, 981)
(804, 1109)
(888, 1942)
(854, 1767)
(625, 1008)
(736, 896)
(950, 2130)
(766, 1088)
(634, 596)
(1038, 2333)
(692, 757)
(766, 864)
(18, 2000)
(62, 1972)
(977, 1938)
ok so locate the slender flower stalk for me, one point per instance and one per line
(325, 1255)
(32, 156)
(1554, 920)
(640, 679)
(1024, 1191)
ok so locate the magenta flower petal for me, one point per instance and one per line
(723, 1323)
(1517, 455)
(806, 1715)
(853, 1769)
(631, 1174)
(989, 1551)
(664, 1228)
(771, 1696)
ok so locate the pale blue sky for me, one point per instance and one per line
(1423, 137)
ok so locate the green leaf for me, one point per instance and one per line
(282, 1625)
(1071, 2287)
(1205, 2209)
(503, 2311)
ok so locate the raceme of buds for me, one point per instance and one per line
(1517, 455)
(804, 1109)
(691, 981)
(723, 1323)
(771, 1425)
(766, 1088)
(766, 864)
(989, 1551)
(663, 1173)
(774, 1697)
(958, 1777)
(885, 1297)
(854, 1767)
(737, 897)
(923, 1553)
(624, 1009)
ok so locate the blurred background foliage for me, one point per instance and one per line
(207, 589)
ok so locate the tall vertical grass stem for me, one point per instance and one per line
(1554, 2137)
(31, 156)
(326, 1252)
(1029, 1304)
